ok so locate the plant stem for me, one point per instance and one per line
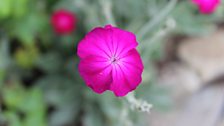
(156, 19)
(107, 11)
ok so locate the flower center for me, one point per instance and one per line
(113, 60)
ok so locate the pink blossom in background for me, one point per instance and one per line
(63, 21)
(207, 6)
(110, 61)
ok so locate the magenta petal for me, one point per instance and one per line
(133, 58)
(96, 73)
(123, 41)
(127, 74)
(120, 85)
(95, 43)
(207, 6)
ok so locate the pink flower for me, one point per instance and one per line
(109, 60)
(207, 6)
(63, 21)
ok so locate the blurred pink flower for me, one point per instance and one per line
(63, 21)
(109, 60)
(207, 6)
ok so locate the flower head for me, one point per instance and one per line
(109, 60)
(63, 21)
(207, 6)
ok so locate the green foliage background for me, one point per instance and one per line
(39, 81)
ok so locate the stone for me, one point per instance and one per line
(180, 79)
(204, 54)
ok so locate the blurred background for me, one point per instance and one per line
(182, 50)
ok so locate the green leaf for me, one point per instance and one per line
(50, 62)
(33, 102)
(13, 119)
(35, 120)
(4, 54)
(60, 90)
(35, 108)
(29, 102)
(27, 57)
(13, 96)
(92, 116)
(63, 115)
(64, 94)
(5, 8)
(5, 59)
(2, 76)
(108, 100)
(20, 7)
(28, 27)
